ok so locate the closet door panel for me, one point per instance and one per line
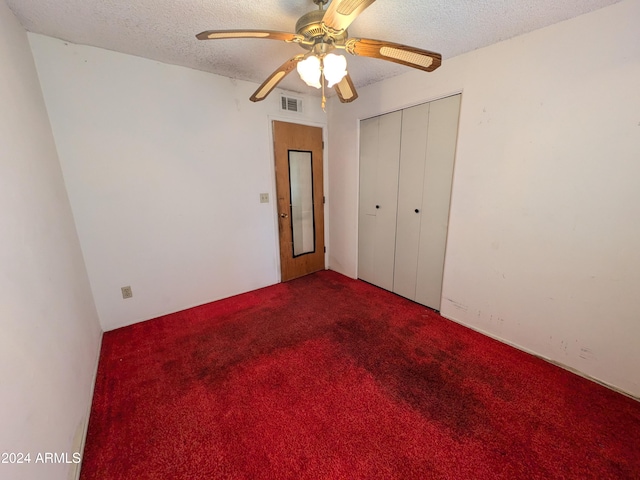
(387, 198)
(379, 163)
(413, 147)
(369, 131)
(438, 176)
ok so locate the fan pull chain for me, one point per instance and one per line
(322, 81)
(324, 99)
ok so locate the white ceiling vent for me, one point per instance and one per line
(290, 104)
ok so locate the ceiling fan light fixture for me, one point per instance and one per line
(309, 71)
(321, 32)
(335, 68)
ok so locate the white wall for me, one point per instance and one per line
(164, 166)
(543, 248)
(49, 330)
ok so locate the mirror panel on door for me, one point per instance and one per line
(302, 219)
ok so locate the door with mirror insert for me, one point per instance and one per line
(298, 162)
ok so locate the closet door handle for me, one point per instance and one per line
(377, 206)
(417, 211)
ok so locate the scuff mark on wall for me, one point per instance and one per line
(458, 305)
(587, 354)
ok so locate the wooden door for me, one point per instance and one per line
(379, 160)
(299, 188)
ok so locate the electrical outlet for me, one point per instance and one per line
(126, 292)
(264, 198)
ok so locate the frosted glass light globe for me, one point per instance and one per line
(309, 71)
(335, 68)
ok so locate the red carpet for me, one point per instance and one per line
(325, 377)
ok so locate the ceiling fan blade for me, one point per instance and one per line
(341, 13)
(215, 34)
(345, 90)
(395, 52)
(275, 78)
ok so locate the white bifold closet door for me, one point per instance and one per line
(421, 149)
(436, 195)
(379, 161)
(413, 148)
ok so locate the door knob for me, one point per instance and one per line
(284, 215)
(377, 206)
(417, 211)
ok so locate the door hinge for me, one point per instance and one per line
(323, 144)
(324, 199)
(325, 249)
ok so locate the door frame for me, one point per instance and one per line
(273, 200)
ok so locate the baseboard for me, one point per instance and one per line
(546, 359)
(74, 472)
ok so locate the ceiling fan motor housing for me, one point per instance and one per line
(310, 27)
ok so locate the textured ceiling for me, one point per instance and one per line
(164, 30)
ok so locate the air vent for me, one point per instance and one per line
(291, 104)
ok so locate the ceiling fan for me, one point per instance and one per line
(321, 33)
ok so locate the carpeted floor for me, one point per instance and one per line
(325, 377)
